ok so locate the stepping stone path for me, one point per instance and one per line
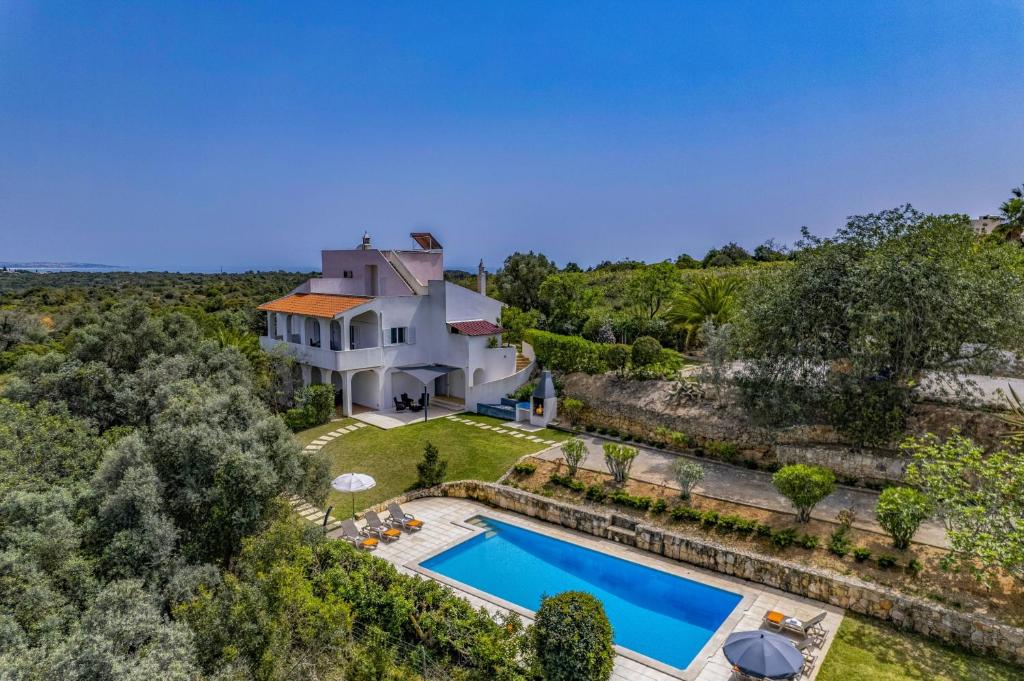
(317, 444)
(308, 511)
(502, 431)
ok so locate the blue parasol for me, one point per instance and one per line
(763, 654)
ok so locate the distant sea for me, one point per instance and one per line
(45, 267)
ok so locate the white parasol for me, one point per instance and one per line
(352, 483)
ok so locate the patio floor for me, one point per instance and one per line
(389, 418)
(444, 525)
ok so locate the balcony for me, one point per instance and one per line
(334, 360)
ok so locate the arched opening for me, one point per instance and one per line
(335, 335)
(365, 390)
(312, 331)
(478, 376)
(291, 329)
(457, 384)
(272, 325)
(315, 376)
(364, 331)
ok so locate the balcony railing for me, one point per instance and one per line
(335, 360)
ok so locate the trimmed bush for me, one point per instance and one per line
(646, 351)
(804, 486)
(567, 481)
(886, 561)
(900, 511)
(808, 541)
(567, 353)
(617, 357)
(783, 538)
(573, 638)
(727, 451)
(524, 468)
(659, 506)
(596, 493)
(839, 542)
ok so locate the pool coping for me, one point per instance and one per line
(613, 550)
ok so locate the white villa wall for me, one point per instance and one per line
(462, 304)
(334, 263)
(366, 388)
(492, 392)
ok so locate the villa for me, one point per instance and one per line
(383, 324)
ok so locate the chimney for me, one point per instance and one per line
(481, 279)
(365, 246)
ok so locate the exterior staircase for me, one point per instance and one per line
(522, 361)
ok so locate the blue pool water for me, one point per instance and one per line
(656, 614)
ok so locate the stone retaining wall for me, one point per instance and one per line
(980, 634)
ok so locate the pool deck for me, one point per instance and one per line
(444, 526)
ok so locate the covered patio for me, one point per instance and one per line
(413, 381)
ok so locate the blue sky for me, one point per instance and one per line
(244, 134)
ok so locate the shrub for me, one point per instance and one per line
(914, 567)
(624, 499)
(839, 542)
(861, 554)
(613, 432)
(431, 469)
(763, 530)
(686, 513)
(617, 357)
(525, 468)
(619, 459)
(589, 427)
(804, 486)
(523, 393)
(709, 518)
(886, 561)
(727, 451)
(596, 493)
(687, 474)
(679, 439)
(659, 506)
(572, 409)
(567, 353)
(809, 541)
(567, 482)
(783, 538)
(900, 511)
(298, 419)
(319, 400)
(574, 450)
(573, 638)
(646, 351)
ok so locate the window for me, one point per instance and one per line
(398, 334)
(346, 274)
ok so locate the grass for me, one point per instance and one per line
(867, 649)
(390, 456)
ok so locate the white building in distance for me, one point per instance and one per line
(383, 324)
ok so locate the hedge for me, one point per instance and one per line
(567, 353)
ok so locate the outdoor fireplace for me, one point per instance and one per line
(543, 404)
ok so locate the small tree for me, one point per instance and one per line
(619, 459)
(432, 468)
(574, 451)
(572, 409)
(646, 351)
(687, 474)
(804, 486)
(319, 400)
(900, 511)
(573, 638)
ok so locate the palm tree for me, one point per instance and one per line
(1014, 419)
(246, 343)
(1012, 212)
(706, 299)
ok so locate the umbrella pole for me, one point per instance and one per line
(353, 505)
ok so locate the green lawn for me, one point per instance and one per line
(867, 649)
(390, 456)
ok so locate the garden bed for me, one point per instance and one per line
(1002, 599)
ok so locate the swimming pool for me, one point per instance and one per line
(656, 614)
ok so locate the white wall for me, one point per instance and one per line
(366, 388)
(493, 391)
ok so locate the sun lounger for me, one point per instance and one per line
(804, 646)
(375, 526)
(812, 627)
(400, 518)
(351, 534)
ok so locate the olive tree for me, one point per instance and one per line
(860, 319)
(804, 486)
(687, 473)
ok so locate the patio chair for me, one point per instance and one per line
(400, 518)
(406, 400)
(375, 526)
(399, 406)
(812, 627)
(351, 534)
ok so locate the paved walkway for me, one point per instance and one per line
(317, 444)
(744, 486)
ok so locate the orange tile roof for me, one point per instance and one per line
(314, 304)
